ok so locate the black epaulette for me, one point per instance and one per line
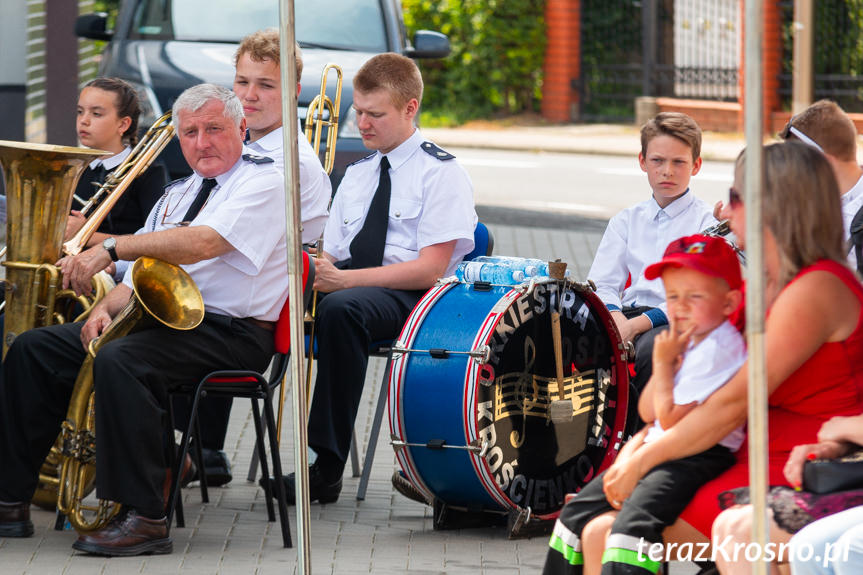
(435, 152)
(370, 156)
(169, 185)
(257, 159)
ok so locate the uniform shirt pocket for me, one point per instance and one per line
(404, 219)
(352, 217)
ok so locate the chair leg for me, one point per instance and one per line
(262, 456)
(376, 429)
(270, 418)
(355, 455)
(253, 467)
(172, 466)
(199, 456)
(187, 437)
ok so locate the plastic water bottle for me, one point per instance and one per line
(498, 273)
(540, 269)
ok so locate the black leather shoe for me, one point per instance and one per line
(319, 488)
(217, 467)
(15, 520)
(127, 535)
(406, 488)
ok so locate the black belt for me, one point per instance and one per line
(267, 325)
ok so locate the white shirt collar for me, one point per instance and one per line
(675, 208)
(111, 162)
(400, 154)
(221, 179)
(269, 142)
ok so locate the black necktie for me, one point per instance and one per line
(206, 186)
(367, 248)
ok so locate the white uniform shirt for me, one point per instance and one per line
(636, 238)
(315, 186)
(246, 208)
(431, 203)
(852, 200)
(705, 368)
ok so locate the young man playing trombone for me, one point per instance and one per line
(402, 218)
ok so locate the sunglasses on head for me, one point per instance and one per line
(790, 130)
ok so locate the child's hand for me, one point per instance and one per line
(668, 346)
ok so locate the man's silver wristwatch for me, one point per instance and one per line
(110, 245)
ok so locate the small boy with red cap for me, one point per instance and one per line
(697, 355)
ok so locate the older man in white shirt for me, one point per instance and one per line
(225, 226)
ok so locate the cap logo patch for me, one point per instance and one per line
(696, 248)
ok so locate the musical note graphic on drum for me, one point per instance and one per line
(502, 401)
(511, 399)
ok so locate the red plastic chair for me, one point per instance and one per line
(252, 385)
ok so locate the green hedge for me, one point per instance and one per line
(495, 67)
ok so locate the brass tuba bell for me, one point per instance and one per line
(40, 181)
(164, 294)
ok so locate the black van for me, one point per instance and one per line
(164, 46)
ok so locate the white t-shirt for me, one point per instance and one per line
(431, 202)
(705, 368)
(315, 186)
(246, 208)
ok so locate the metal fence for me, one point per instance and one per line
(838, 57)
(679, 48)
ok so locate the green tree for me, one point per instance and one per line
(498, 47)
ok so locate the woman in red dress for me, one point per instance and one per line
(813, 338)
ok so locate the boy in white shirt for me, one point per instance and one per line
(636, 237)
(695, 357)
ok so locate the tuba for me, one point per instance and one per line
(164, 295)
(40, 180)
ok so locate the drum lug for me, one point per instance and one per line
(482, 354)
(628, 350)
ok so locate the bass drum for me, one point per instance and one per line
(473, 385)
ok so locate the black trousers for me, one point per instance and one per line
(132, 376)
(347, 322)
(657, 501)
(213, 415)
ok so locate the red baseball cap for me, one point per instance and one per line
(709, 255)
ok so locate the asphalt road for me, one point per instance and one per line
(551, 189)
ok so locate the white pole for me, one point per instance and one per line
(753, 182)
(295, 274)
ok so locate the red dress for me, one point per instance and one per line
(830, 383)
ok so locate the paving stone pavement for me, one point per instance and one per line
(384, 534)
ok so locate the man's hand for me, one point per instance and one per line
(79, 270)
(95, 325)
(669, 346)
(74, 222)
(329, 278)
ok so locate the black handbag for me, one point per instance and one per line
(832, 475)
